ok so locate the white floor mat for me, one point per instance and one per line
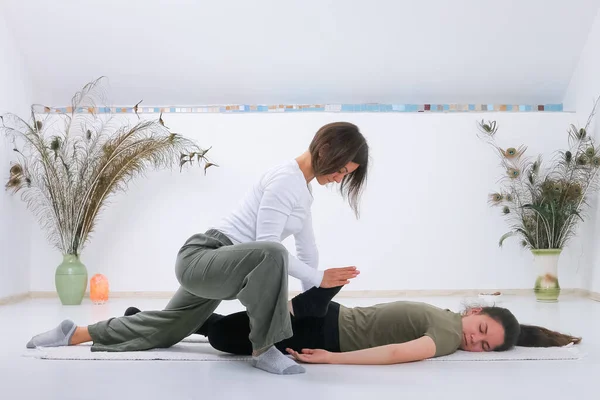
(568, 352)
(192, 349)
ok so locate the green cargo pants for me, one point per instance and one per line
(209, 269)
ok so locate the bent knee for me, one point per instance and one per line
(221, 342)
(275, 250)
(217, 342)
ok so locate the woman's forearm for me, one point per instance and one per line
(415, 350)
(382, 355)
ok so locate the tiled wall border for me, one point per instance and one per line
(343, 108)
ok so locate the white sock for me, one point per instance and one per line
(275, 362)
(59, 336)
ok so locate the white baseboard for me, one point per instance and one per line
(366, 294)
(355, 294)
(348, 293)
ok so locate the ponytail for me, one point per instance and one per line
(537, 336)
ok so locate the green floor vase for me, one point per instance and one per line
(71, 280)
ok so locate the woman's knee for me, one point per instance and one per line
(229, 341)
(217, 341)
(275, 251)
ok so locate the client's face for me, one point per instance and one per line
(481, 332)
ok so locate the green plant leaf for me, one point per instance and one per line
(504, 237)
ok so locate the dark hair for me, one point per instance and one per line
(516, 334)
(512, 328)
(335, 145)
(537, 336)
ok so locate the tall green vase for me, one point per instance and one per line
(71, 280)
(547, 286)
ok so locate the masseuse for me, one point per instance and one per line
(242, 258)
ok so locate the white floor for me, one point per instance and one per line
(26, 378)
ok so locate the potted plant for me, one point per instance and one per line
(544, 206)
(70, 164)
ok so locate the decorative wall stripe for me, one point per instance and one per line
(343, 108)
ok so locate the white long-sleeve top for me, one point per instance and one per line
(276, 207)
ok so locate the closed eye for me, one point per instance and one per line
(483, 329)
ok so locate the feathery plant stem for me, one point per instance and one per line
(66, 175)
(543, 207)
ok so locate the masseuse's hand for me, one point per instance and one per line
(334, 277)
(317, 356)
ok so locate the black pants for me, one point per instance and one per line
(230, 333)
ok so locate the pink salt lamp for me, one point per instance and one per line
(99, 289)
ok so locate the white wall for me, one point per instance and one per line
(425, 220)
(15, 94)
(583, 90)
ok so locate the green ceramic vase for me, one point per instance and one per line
(71, 280)
(547, 287)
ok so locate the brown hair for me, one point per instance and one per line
(335, 145)
(516, 334)
(537, 336)
(509, 322)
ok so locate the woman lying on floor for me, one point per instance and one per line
(326, 332)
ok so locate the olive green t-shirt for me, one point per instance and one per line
(399, 322)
